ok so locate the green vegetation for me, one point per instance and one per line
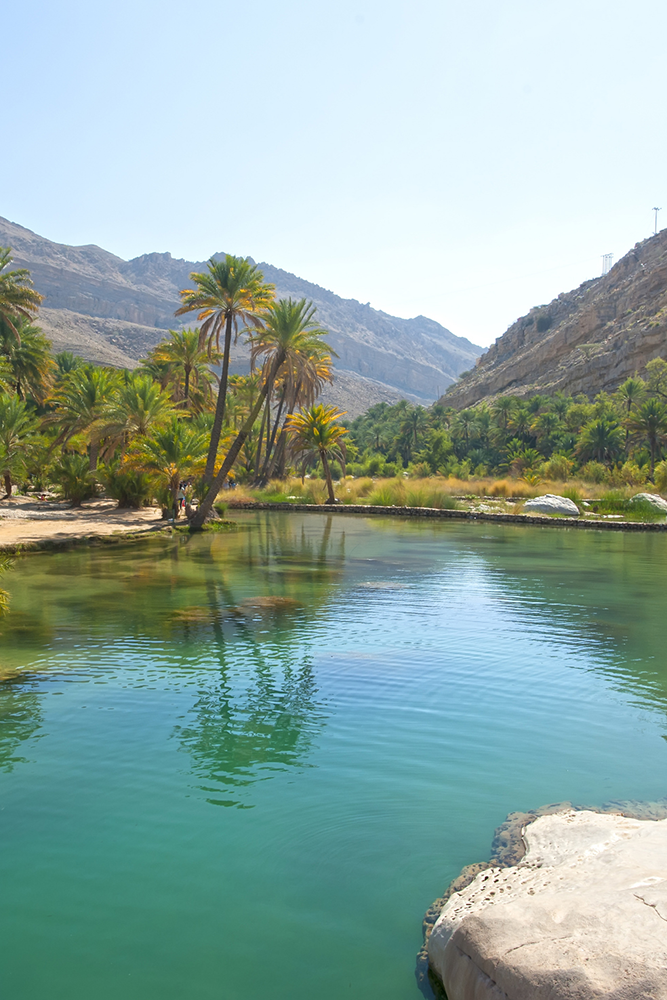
(616, 439)
(180, 428)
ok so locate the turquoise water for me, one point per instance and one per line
(242, 765)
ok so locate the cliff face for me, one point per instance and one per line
(587, 340)
(112, 311)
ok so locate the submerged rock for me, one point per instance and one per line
(550, 503)
(653, 499)
(582, 915)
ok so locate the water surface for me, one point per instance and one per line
(242, 765)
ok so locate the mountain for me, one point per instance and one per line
(588, 340)
(113, 311)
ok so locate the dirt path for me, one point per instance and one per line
(26, 521)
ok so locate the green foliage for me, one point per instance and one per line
(130, 487)
(73, 475)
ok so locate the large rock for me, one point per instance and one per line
(582, 916)
(551, 504)
(653, 499)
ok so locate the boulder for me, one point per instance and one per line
(583, 916)
(653, 499)
(551, 504)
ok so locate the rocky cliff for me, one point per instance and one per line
(587, 340)
(112, 311)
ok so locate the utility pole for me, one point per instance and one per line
(656, 210)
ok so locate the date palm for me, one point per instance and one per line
(600, 439)
(172, 452)
(649, 423)
(316, 432)
(232, 291)
(17, 423)
(188, 366)
(81, 402)
(290, 329)
(136, 406)
(28, 355)
(18, 299)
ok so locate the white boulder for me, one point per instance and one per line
(550, 503)
(653, 499)
(582, 916)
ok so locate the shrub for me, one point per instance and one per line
(660, 476)
(594, 472)
(130, 488)
(631, 474)
(557, 467)
(75, 479)
(419, 470)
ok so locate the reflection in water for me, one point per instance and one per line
(20, 718)
(239, 737)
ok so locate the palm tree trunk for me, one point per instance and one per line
(186, 387)
(269, 461)
(205, 506)
(8, 484)
(216, 430)
(94, 454)
(264, 424)
(327, 476)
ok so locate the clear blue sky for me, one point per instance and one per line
(464, 160)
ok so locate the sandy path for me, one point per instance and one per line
(24, 520)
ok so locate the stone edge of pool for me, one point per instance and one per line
(460, 515)
(508, 850)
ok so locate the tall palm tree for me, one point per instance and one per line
(284, 330)
(649, 423)
(17, 423)
(317, 432)
(188, 365)
(630, 394)
(289, 328)
(18, 299)
(233, 290)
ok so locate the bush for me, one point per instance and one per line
(594, 472)
(75, 479)
(419, 470)
(631, 474)
(557, 467)
(130, 488)
(660, 477)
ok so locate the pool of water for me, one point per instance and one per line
(242, 765)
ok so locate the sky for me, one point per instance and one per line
(459, 159)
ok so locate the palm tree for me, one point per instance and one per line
(18, 299)
(81, 402)
(173, 453)
(286, 325)
(28, 354)
(317, 433)
(17, 423)
(289, 328)
(630, 393)
(188, 365)
(134, 408)
(502, 409)
(232, 290)
(600, 439)
(650, 424)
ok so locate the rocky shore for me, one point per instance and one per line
(571, 906)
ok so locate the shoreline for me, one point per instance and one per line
(541, 521)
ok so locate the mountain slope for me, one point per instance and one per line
(587, 340)
(113, 310)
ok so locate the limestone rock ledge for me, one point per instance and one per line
(583, 916)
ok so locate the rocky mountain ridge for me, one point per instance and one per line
(113, 311)
(585, 341)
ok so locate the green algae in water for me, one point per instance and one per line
(242, 765)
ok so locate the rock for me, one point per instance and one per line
(551, 504)
(651, 498)
(583, 915)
